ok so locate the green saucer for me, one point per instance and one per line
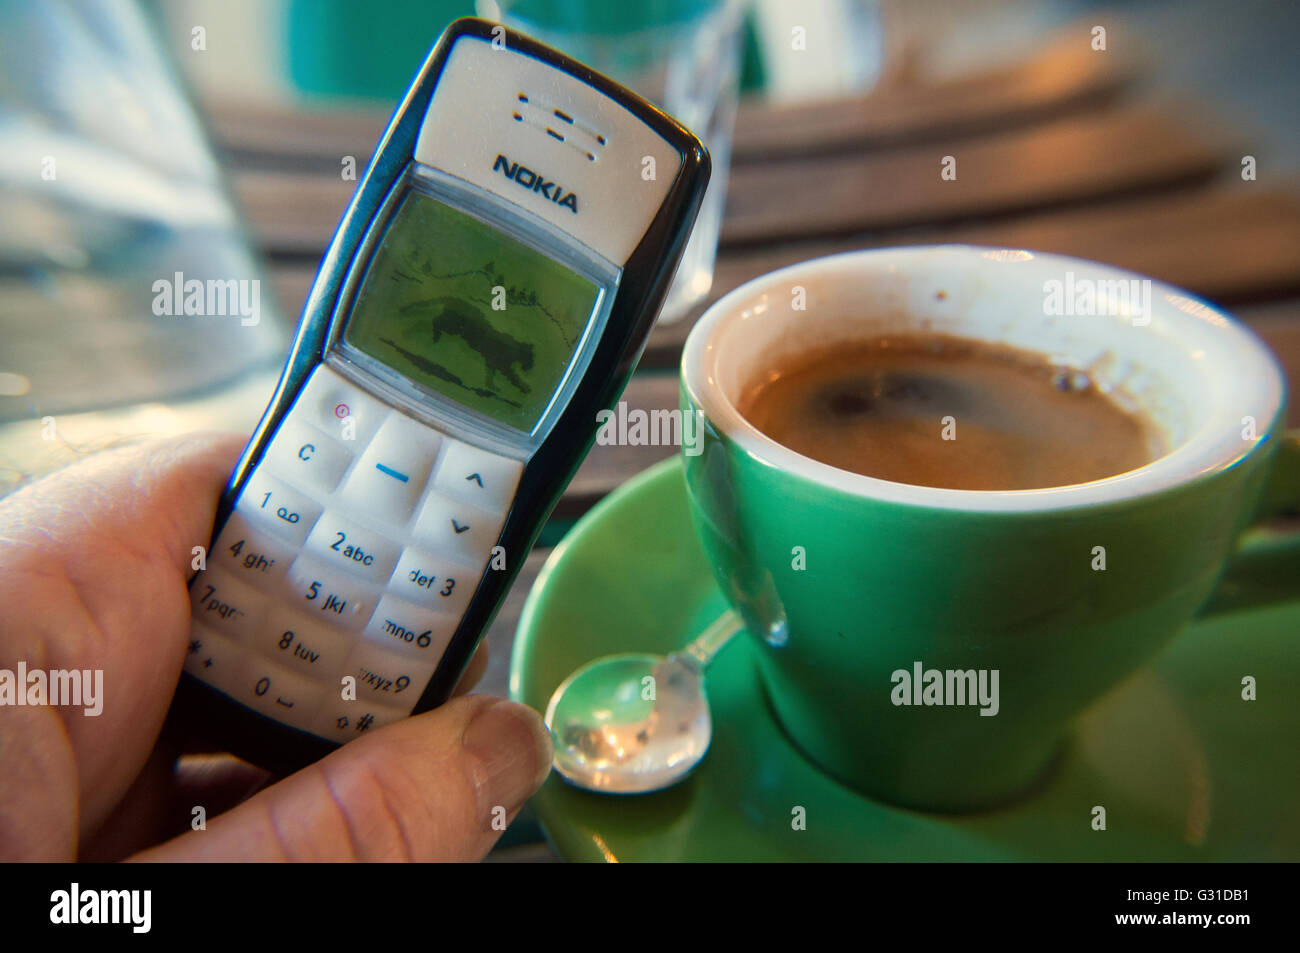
(1185, 769)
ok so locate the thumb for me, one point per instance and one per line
(437, 787)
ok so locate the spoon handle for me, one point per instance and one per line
(714, 639)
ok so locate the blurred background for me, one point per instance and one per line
(155, 146)
(172, 170)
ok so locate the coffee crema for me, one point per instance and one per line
(943, 411)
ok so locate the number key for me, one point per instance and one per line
(399, 626)
(327, 596)
(226, 605)
(250, 553)
(299, 642)
(343, 545)
(387, 678)
(280, 508)
(433, 582)
(280, 694)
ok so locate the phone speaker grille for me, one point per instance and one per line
(560, 125)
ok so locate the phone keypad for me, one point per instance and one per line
(340, 578)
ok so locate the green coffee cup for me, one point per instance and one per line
(930, 646)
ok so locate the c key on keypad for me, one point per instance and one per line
(306, 457)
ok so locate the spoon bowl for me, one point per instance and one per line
(630, 724)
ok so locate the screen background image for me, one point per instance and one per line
(425, 309)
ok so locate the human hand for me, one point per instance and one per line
(94, 565)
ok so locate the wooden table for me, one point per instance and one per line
(1064, 153)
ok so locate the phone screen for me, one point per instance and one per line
(465, 311)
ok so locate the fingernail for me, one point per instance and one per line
(512, 752)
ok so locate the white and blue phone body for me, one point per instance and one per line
(488, 291)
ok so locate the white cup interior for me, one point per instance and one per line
(1191, 370)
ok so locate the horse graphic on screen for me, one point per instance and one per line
(501, 353)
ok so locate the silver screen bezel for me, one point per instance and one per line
(438, 410)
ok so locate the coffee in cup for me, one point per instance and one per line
(944, 411)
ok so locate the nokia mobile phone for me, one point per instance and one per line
(487, 292)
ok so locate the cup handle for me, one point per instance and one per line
(1266, 566)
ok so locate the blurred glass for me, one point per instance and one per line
(125, 277)
(682, 55)
(335, 48)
